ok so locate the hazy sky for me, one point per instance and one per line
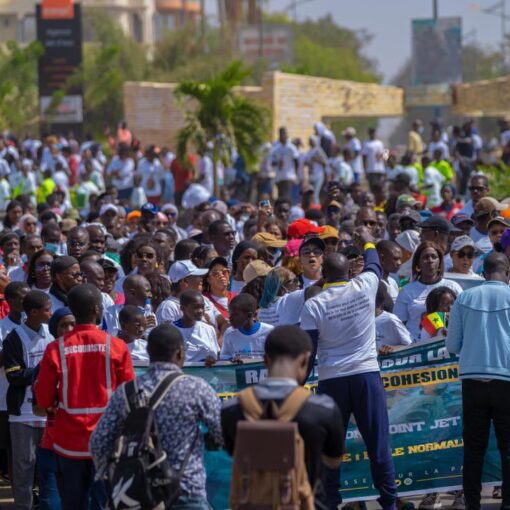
(390, 22)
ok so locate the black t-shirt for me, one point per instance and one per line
(319, 422)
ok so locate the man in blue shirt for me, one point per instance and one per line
(478, 331)
(341, 322)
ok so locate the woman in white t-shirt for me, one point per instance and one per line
(279, 291)
(244, 253)
(428, 271)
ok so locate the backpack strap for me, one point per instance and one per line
(250, 404)
(162, 388)
(292, 404)
(130, 393)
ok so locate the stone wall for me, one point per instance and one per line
(485, 98)
(294, 101)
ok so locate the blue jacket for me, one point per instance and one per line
(479, 330)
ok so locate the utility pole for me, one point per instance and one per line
(434, 9)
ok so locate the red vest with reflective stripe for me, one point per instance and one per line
(87, 365)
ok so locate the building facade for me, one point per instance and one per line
(144, 20)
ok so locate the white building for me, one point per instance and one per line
(144, 20)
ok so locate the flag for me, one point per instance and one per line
(433, 322)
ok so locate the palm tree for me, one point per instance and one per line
(218, 118)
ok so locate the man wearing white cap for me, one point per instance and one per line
(354, 145)
(184, 275)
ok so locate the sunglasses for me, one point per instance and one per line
(42, 265)
(369, 223)
(317, 252)
(466, 254)
(220, 272)
(145, 255)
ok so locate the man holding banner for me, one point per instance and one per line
(341, 322)
(478, 330)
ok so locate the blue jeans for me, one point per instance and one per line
(191, 503)
(49, 498)
(77, 487)
(363, 396)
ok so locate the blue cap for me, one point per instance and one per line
(149, 208)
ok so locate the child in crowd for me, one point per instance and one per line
(138, 196)
(246, 336)
(435, 320)
(132, 329)
(389, 329)
(200, 338)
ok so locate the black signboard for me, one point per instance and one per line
(62, 41)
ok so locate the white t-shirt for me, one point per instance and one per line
(126, 169)
(410, 304)
(170, 311)
(391, 287)
(341, 171)
(206, 173)
(138, 350)
(390, 330)
(200, 341)
(152, 176)
(245, 344)
(373, 150)
(433, 177)
(285, 311)
(433, 146)
(356, 163)
(483, 242)
(344, 316)
(34, 344)
(283, 156)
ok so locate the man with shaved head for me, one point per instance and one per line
(341, 323)
(478, 330)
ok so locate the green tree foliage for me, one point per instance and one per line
(215, 114)
(18, 85)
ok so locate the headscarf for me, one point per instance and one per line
(55, 319)
(23, 219)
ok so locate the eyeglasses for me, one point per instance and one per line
(229, 233)
(477, 189)
(42, 265)
(317, 252)
(466, 254)
(74, 244)
(76, 276)
(369, 223)
(145, 255)
(220, 272)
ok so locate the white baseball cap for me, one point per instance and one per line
(184, 268)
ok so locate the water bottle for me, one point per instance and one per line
(147, 312)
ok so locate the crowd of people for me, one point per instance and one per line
(351, 252)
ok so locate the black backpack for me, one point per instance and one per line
(139, 475)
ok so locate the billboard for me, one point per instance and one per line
(437, 51)
(59, 31)
(270, 42)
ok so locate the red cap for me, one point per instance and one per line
(300, 228)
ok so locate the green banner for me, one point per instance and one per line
(425, 414)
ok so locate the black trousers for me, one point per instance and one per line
(484, 403)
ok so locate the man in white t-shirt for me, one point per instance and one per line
(436, 143)
(354, 145)
(152, 173)
(121, 171)
(199, 338)
(373, 159)
(341, 322)
(433, 180)
(246, 336)
(285, 160)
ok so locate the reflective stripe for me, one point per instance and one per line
(108, 367)
(83, 410)
(65, 381)
(70, 452)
